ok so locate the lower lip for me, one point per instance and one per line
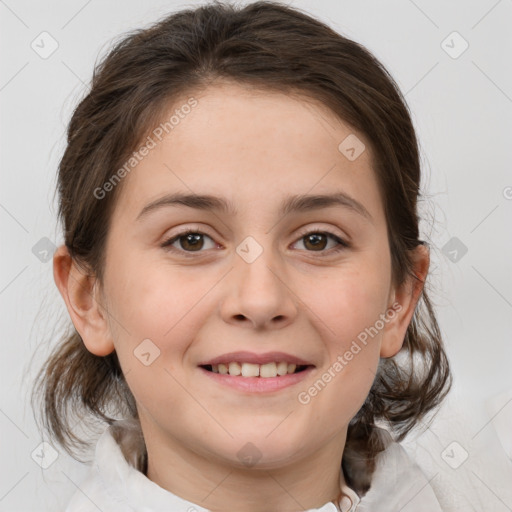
(259, 384)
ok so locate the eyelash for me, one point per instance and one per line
(342, 244)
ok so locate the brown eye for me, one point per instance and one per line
(316, 241)
(189, 241)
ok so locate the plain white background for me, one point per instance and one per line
(462, 109)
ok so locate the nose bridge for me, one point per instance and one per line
(260, 293)
(258, 267)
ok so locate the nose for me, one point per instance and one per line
(259, 294)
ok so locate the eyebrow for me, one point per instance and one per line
(297, 203)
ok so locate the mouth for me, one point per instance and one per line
(263, 371)
(251, 364)
(249, 372)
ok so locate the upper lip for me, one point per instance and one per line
(252, 357)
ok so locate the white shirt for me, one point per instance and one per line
(114, 485)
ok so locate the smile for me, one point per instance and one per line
(257, 384)
(265, 371)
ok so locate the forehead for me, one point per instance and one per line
(251, 145)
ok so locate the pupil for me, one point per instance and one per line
(193, 239)
(316, 237)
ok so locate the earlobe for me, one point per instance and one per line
(79, 292)
(406, 299)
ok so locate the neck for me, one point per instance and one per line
(218, 485)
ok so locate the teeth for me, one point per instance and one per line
(282, 368)
(250, 370)
(254, 370)
(234, 369)
(268, 370)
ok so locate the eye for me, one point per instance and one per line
(192, 240)
(317, 240)
(189, 240)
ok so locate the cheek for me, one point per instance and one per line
(152, 297)
(156, 313)
(349, 302)
(353, 353)
(159, 302)
(348, 307)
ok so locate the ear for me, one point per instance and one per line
(82, 298)
(405, 299)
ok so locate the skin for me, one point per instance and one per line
(254, 148)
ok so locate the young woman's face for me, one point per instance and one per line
(250, 279)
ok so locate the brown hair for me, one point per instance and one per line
(273, 47)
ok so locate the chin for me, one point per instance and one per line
(262, 448)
